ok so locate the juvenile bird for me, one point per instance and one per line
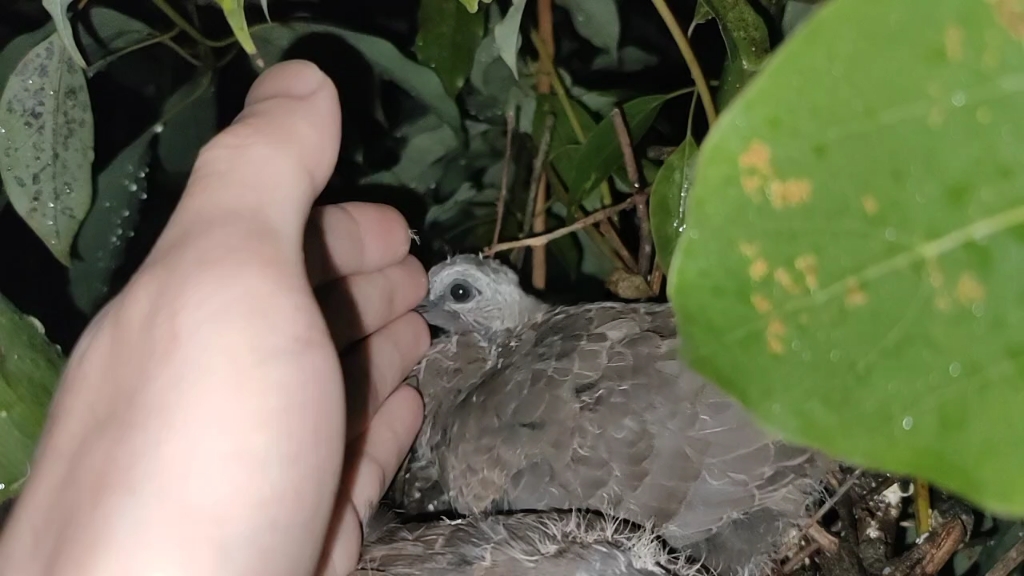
(531, 406)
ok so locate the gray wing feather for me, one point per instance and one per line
(591, 407)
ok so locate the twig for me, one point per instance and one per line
(189, 29)
(691, 59)
(813, 520)
(801, 555)
(581, 223)
(608, 231)
(545, 23)
(1009, 561)
(629, 159)
(538, 168)
(570, 113)
(922, 506)
(510, 123)
(827, 541)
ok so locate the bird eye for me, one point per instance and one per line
(460, 293)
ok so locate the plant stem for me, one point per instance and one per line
(163, 38)
(510, 126)
(543, 239)
(188, 28)
(691, 59)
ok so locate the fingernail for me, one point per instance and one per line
(291, 79)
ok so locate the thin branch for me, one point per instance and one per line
(691, 59)
(629, 158)
(546, 26)
(1009, 561)
(510, 125)
(538, 168)
(544, 239)
(798, 558)
(106, 60)
(657, 277)
(570, 113)
(922, 506)
(188, 28)
(813, 520)
(607, 240)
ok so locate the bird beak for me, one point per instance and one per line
(424, 306)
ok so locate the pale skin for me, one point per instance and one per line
(200, 427)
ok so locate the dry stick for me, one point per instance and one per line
(629, 158)
(538, 168)
(546, 27)
(691, 59)
(543, 239)
(799, 557)
(813, 520)
(922, 506)
(1009, 561)
(510, 123)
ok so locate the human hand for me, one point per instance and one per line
(200, 425)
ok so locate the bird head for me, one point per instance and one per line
(468, 293)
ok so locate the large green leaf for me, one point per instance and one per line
(565, 144)
(273, 39)
(668, 200)
(29, 369)
(601, 153)
(58, 10)
(46, 138)
(851, 270)
(597, 21)
(121, 189)
(447, 41)
(507, 37)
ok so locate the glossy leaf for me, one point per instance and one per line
(565, 144)
(186, 124)
(601, 153)
(234, 13)
(447, 41)
(473, 5)
(58, 10)
(118, 32)
(507, 37)
(668, 200)
(189, 121)
(597, 21)
(851, 270)
(418, 80)
(46, 144)
(30, 367)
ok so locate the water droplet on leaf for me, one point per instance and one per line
(954, 369)
(908, 422)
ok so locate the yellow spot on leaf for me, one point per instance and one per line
(943, 302)
(749, 249)
(983, 114)
(761, 304)
(790, 192)
(758, 269)
(969, 290)
(784, 279)
(1010, 13)
(807, 264)
(954, 43)
(937, 115)
(752, 185)
(773, 334)
(758, 157)
(855, 295)
(870, 204)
